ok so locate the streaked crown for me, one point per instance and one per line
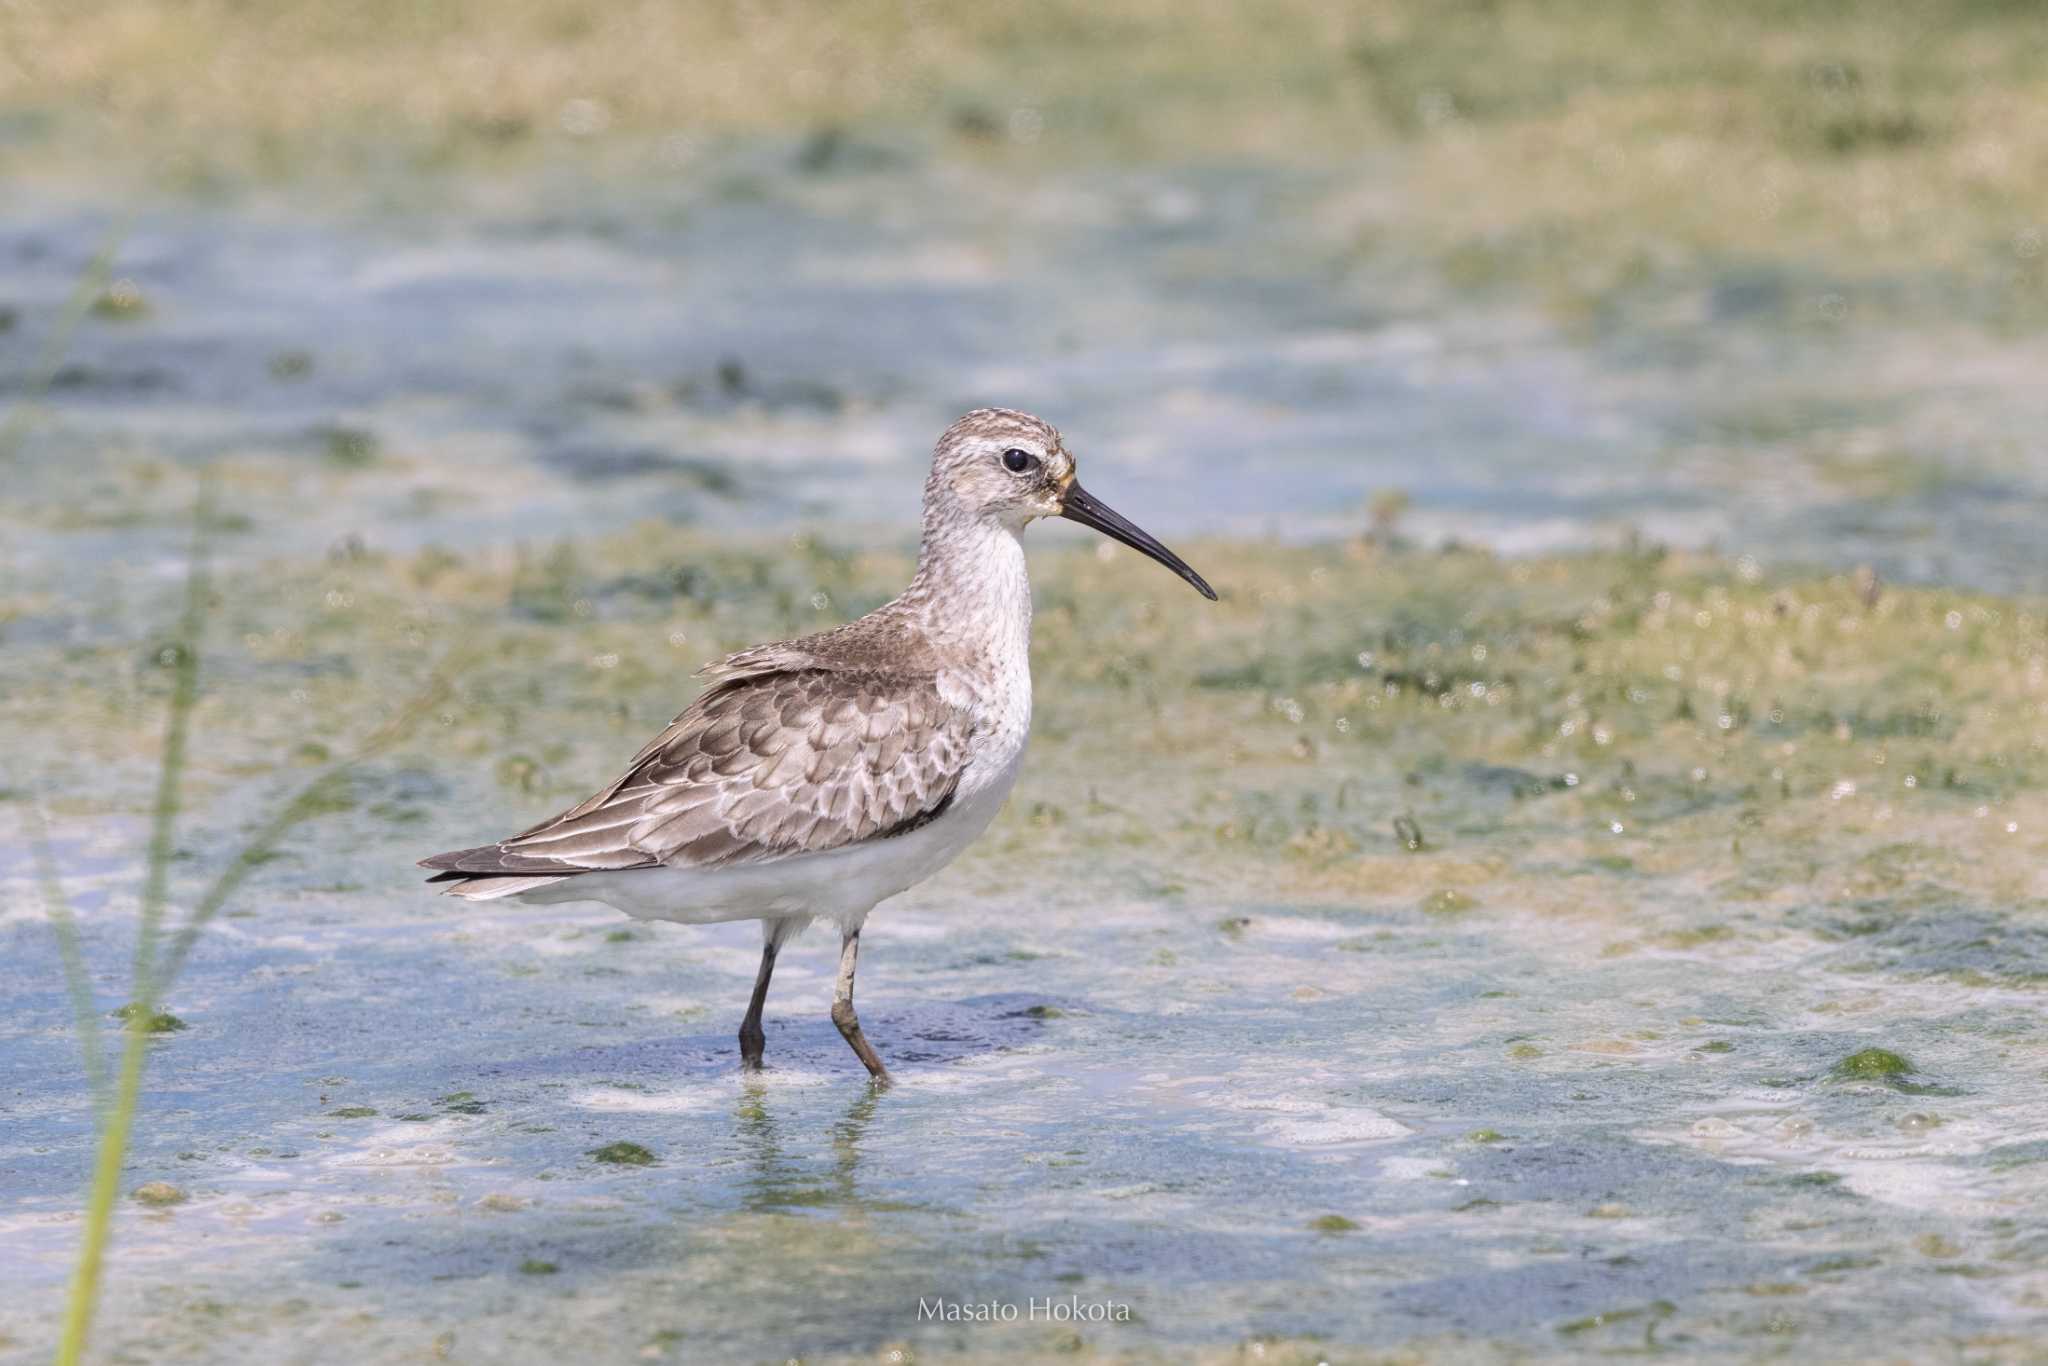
(1000, 464)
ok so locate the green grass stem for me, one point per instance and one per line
(90, 285)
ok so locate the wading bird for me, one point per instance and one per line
(816, 778)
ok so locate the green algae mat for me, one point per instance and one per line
(1455, 954)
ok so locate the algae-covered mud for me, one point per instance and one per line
(1432, 952)
(1580, 893)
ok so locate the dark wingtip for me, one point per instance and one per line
(483, 859)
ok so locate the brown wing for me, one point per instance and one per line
(758, 768)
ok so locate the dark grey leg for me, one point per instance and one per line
(843, 1016)
(752, 1040)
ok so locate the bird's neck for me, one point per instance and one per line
(973, 592)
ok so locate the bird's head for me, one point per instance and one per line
(999, 465)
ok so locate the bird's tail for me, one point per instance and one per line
(486, 887)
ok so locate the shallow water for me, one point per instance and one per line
(742, 341)
(1325, 1124)
(1191, 1036)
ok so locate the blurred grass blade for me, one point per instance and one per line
(306, 803)
(91, 283)
(183, 657)
(118, 1121)
(65, 926)
(154, 975)
(261, 845)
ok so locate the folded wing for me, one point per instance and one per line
(761, 767)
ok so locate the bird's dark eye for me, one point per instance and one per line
(1016, 461)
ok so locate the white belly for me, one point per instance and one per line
(841, 885)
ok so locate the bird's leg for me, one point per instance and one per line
(842, 1010)
(752, 1040)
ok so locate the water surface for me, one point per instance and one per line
(1193, 1040)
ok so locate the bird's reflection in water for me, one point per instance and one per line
(782, 1180)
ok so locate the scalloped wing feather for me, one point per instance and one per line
(767, 764)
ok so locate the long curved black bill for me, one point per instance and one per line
(1083, 507)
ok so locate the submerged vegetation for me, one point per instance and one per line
(1873, 1064)
(1671, 758)
(1412, 728)
(623, 1153)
